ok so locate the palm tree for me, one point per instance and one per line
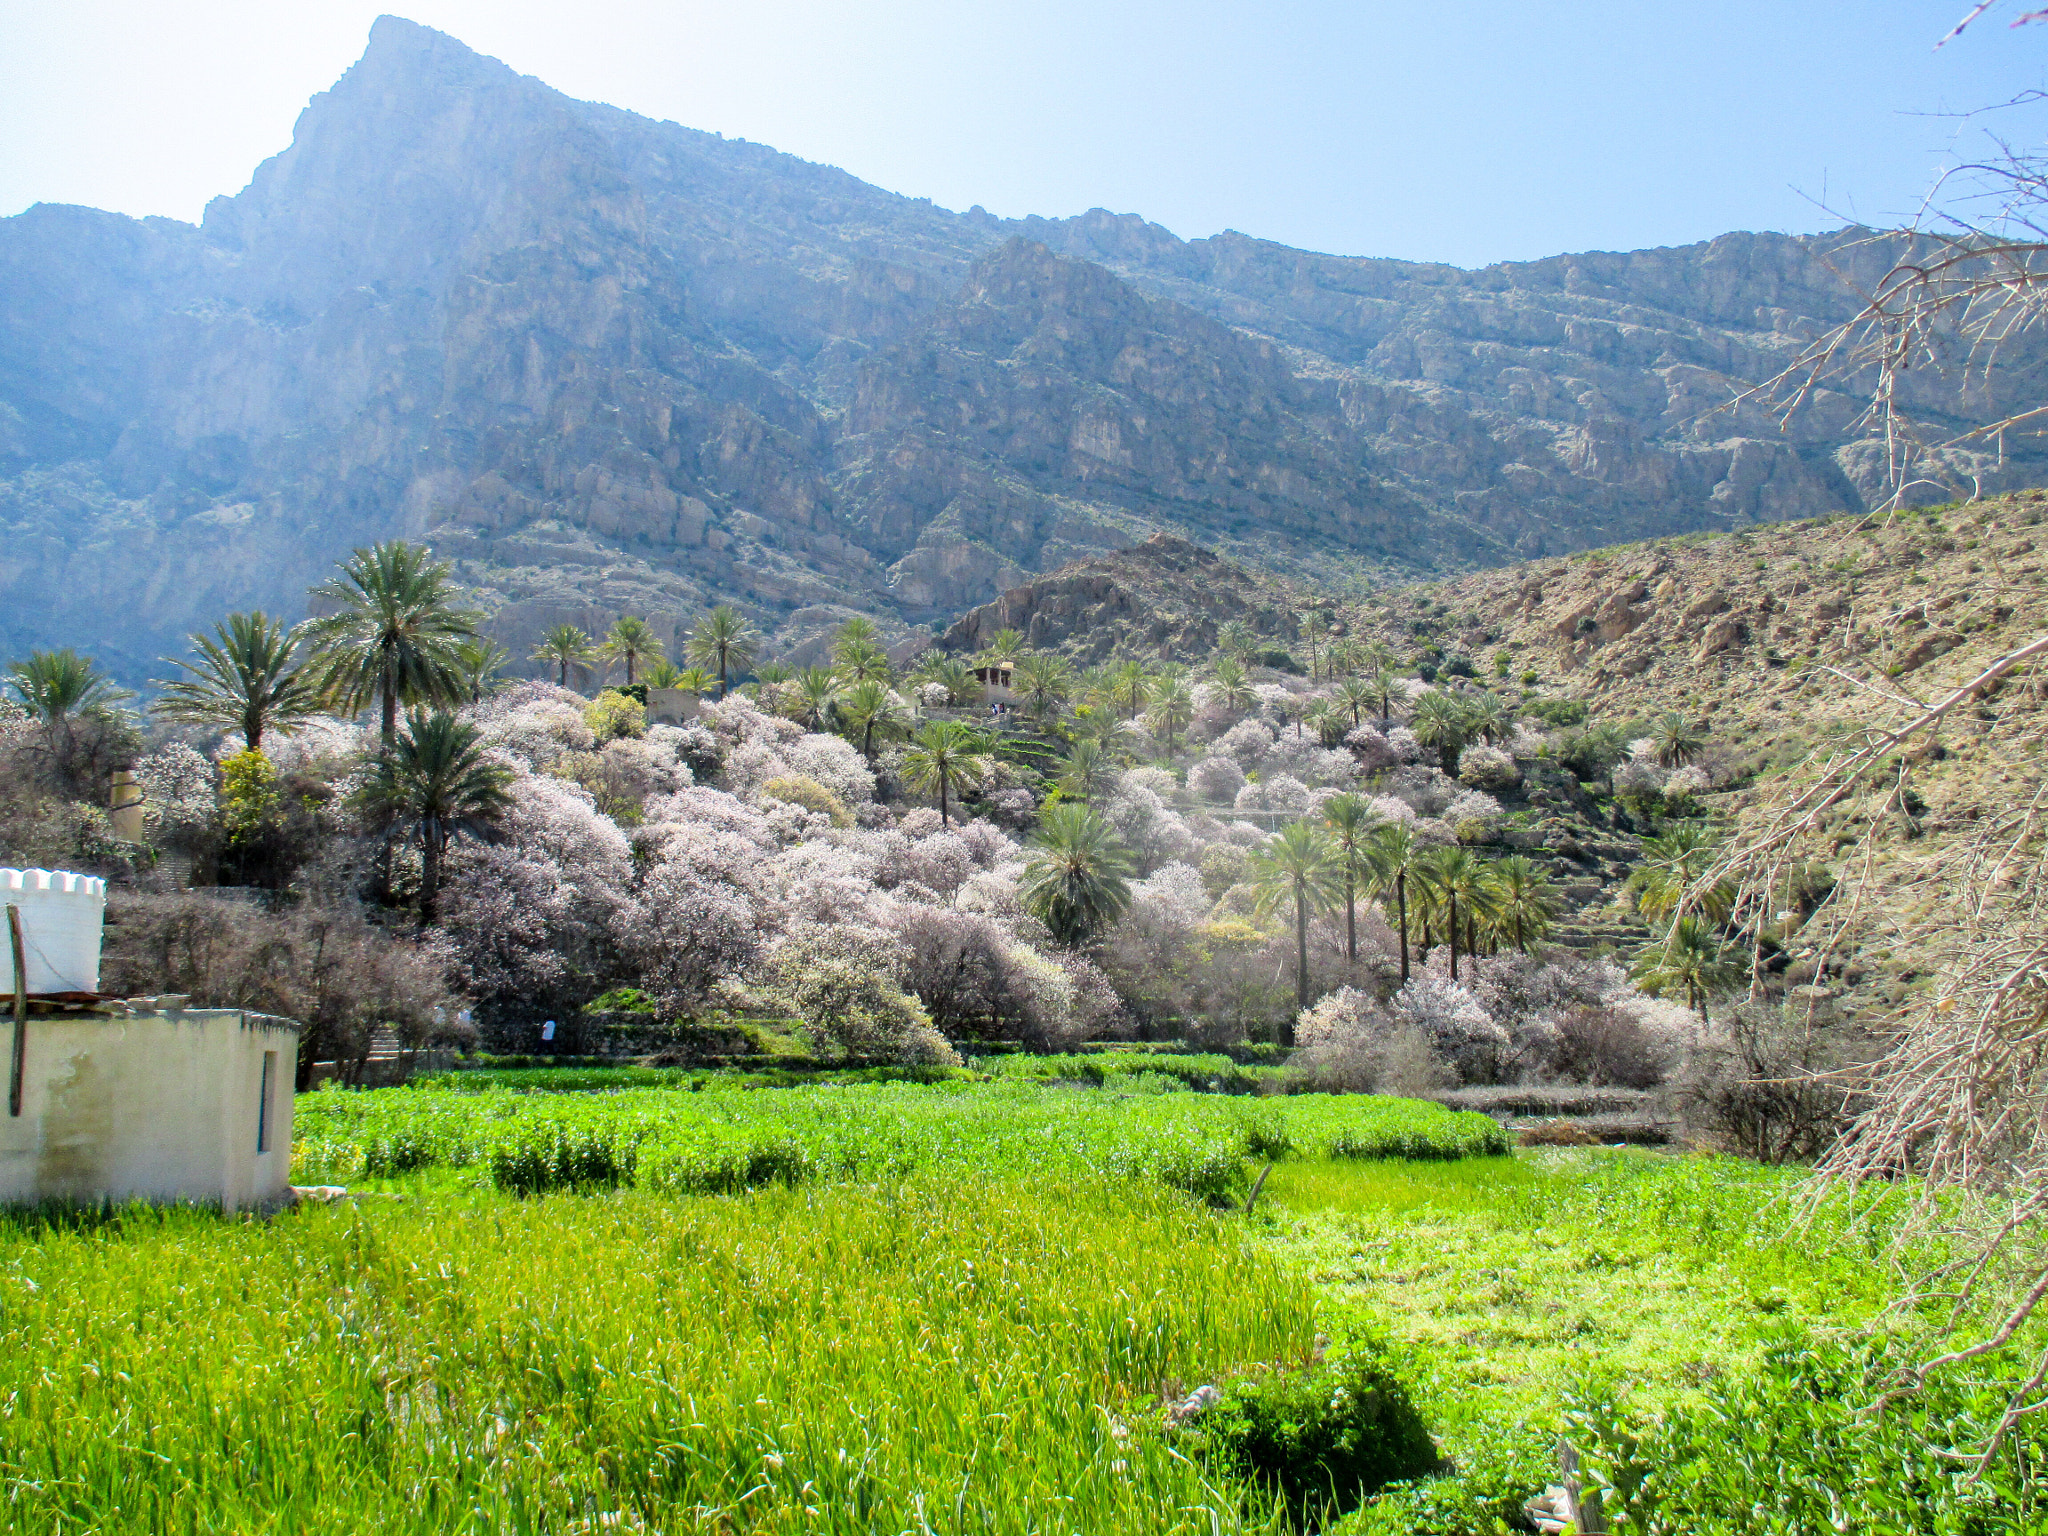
(1389, 855)
(949, 672)
(663, 674)
(1490, 718)
(1675, 739)
(1439, 722)
(946, 753)
(1456, 879)
(633, 642)
(816, 688)
(1077, 879)
(694, 681)
(1044, 683)
(1669, 866)
(1233, 685)
(477, 662)
(1089, 770)
(1173, 707)
(1524, 903)
(1352, 822)
(1129, 687)
(1003, 648)
(59, 688)
(862, 661)
(1298, 707)
(1692, 956)
(563, 646)
(1094, 690)
(1380, 684)
(1327, 716)
(1236, 641)
(857, 653)
(1593, 752)
(437, 777)
(1315, 628)
(1297, 864)
(723, 640)
(1355, 697)
(857, 631)
(1114, 737)
(870, 706)
(249, 677)
(395, 634)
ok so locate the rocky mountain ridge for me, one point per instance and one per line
(613, 365)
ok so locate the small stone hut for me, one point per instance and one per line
(137, 1098)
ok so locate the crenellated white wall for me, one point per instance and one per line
(62, 915)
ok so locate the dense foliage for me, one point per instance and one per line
(898, 865)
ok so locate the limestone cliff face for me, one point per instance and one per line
(617, 365)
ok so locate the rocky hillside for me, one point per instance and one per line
(618, 365)
(1163, 600)
(1781, 642)
(1766, 636)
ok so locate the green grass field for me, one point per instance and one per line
(960, 1308)
(939, 1354)
(721, 1140)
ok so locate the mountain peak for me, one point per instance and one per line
(613, 365)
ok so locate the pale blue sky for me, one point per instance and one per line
(1466, 131)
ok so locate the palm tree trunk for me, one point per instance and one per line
(1350, 918)
(1300, 950)
(1401, 896)
(942, 798)
(1451, 930)
(390, 713)
(430, 868)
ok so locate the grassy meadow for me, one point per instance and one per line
(717, 1141)
(937, 1354)
(967, 1307)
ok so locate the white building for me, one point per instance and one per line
(139, 1099)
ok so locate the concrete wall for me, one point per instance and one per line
(671, 706)
(156, 1106)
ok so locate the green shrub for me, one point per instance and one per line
(1322, 1438)
(400, 1152)
(612, 715)
(1560, 713)
(548, 1157)
(1792, 1447)
(727, 1164)
(1484, 1493)
(796, 789)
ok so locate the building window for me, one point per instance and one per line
(263, 1103)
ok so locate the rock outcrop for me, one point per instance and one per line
(1164, 599)
(617, 365)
